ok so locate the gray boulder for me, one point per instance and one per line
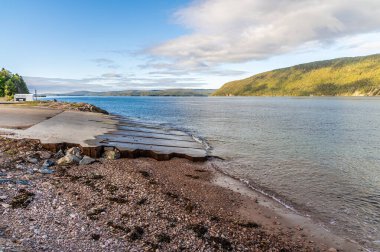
(74, 151)
(47, 163)
(68, 160)
(86, 160)
(59, 154)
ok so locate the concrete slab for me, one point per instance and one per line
(71, 127)
(22, 118)
(93, 131)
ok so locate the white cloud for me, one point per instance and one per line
(228, 31)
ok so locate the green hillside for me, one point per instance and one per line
(165, 92)
(11, 84)
(338, 77)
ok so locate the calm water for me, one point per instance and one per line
(319, 155)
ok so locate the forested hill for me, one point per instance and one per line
(11, 84)
(338, 77)
(165, 92)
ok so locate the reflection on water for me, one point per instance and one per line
(321, 155)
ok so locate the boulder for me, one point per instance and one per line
(68, 160)
(59, 154)
(74, 151)
(86, 160)
(111, 154)
(47, 163)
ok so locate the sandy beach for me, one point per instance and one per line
(140, 205)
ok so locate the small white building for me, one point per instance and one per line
(23, 97)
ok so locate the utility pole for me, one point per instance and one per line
(35, 94)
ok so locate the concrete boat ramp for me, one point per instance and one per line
(95, 132)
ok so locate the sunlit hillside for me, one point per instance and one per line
(338, 77)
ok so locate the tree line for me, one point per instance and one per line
(11, 84)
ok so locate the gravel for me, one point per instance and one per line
(124, 205)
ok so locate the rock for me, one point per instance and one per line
(3, 197)
(74, 151)
(95, 237)
(68, 159)
(332, 250)
(111, 154)
(59, 154)
(86, 160)
(23, 199)
(44, 154)
(47, 163)
(46, 170)
(5, 205)
(20, 166)
(32, 160)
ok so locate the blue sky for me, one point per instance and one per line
(61, 46)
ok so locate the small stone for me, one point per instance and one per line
(332, 250)
(47, 163)
(22, 199)
(46, 171)
(95, 237)
(86, 160)
(5, 205)
(3, 197)
(32, 160)
(20, 166)
(44, 154)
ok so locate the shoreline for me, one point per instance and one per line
(290, 217)
(273, 220)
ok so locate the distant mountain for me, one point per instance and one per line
(355, 76)
(166, 92)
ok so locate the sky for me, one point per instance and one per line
(60, 46)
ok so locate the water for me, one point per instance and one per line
(320, 156)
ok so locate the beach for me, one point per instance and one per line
(138, 204)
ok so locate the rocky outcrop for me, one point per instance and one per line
(74, 156)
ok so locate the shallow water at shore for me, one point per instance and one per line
(318, 155)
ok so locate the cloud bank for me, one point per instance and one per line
(230, 31)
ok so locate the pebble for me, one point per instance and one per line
(5, 205)
(46, 171)
(44, 154)
(3, 197)
(32, 160)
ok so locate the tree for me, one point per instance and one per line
(10, 84)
